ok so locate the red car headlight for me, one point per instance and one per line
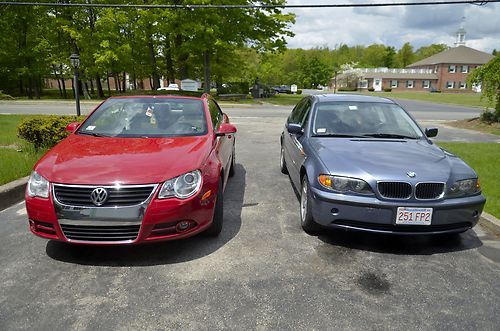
(182, 187)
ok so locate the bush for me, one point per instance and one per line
(45, 131)
(388, 89)
(371, 89)
(489, 117)
(299, 92)
(234, 88)
(347, 89)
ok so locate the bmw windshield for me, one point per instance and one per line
(146, 117)
(364, 119)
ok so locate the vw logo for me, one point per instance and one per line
(411, 174)
(99, 196)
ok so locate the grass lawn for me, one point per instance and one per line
(463, 99)
(17, 157)
(484, 158)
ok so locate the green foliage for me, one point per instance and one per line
(488, 76)
(45, 131)
(426, 51)
(490, 117)
(347, 89)
(387, 89)
(371, 89)
(406, 55)
(4, 96)
(234, 88)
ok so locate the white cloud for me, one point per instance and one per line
(422, 25)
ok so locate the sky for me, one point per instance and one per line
(393, 26)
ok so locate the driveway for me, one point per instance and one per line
(263, 272)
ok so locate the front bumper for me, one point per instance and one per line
(153, 220)
(370, 214)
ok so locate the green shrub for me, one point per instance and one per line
(489, 117)
(299, 91)
(348, 89)
(234, 88)
(388, 89)
(45, 131)
(371, 89)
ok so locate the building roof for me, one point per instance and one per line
(460, 54)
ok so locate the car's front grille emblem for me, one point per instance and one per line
(411, 174)
(99, 196)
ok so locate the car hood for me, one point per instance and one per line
(90, 160)
(378, 159)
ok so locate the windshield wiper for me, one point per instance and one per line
(93, 134)
(388, 135)
(338, 135)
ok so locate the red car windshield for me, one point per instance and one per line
(147, 117)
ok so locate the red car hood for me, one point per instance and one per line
(103, 161)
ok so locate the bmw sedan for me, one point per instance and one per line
(138, 169)
(362, 163)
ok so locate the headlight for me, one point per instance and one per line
(464, 188)
(38, 186)
(182, 187)
(345, 184)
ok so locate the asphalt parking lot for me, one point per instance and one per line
(263, 272)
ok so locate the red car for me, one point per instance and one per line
(138, 169)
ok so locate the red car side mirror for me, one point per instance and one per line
(224, 129)
(72, 127)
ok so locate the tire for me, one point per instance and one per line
(306, 218)
(216, 227)
(283, 168)
(233, 161)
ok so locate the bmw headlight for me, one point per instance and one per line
(182, 187)
(38, 186)
(463, 188)
(345, 184)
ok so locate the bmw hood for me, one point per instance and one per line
(376, 159)
(89, 160)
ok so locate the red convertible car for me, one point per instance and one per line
(138, 169)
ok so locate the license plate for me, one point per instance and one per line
(414, 216)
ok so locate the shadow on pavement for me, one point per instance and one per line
(169, 252)
(401, 244)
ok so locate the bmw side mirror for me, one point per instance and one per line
(431, 132)
(294, 128)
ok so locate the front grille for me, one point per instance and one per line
(101, 233)
(429, 191)
(117, 196)
(394, 190)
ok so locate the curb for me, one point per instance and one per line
(12, 192)
(490, 222)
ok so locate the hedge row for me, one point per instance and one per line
(45, 131)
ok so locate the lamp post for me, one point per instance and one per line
(75, 62)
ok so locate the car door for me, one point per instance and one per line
(294, 153)
(223, 145)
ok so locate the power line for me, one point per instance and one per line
(253, 6)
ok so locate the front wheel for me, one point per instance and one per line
(215, 229)
(283, 168)
(306, 218)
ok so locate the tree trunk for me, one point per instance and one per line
(207, 68)
(30, 87)
(91, 86)
(117, 83)
(124, 82)
(100, 92)
(63, 83)
(107, 81)
(58, 80)
(152, 58)
(170, 66)
(38, 86)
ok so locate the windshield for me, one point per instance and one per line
(364, 119)
(147, 117)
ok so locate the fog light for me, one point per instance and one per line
(335, 211)
(182, 226)
(475, 213)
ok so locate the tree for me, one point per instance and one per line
(406, 55)
(488, 76)
(375, 55)
(389, 58)
(426, 51)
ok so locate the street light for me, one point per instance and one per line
(75, 62)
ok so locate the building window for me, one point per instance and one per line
(436, 68)
(463, 85)
(465, 69)
(409, 83)
(363, 83)
(426, 84)
(452, 68)
(450, 84)
(394, 83)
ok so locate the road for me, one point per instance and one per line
(263, 272)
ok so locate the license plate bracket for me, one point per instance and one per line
(413, 216)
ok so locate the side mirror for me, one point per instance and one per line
(294, 128)
(224, 129)
(72, 127)
(431, 132)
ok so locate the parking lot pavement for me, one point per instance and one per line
(263, 272)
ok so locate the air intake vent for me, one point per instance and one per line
(394, 190)
(80, 196)
(429, 191)
(101, 233)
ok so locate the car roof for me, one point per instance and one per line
(330, 97)
(191, 95)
